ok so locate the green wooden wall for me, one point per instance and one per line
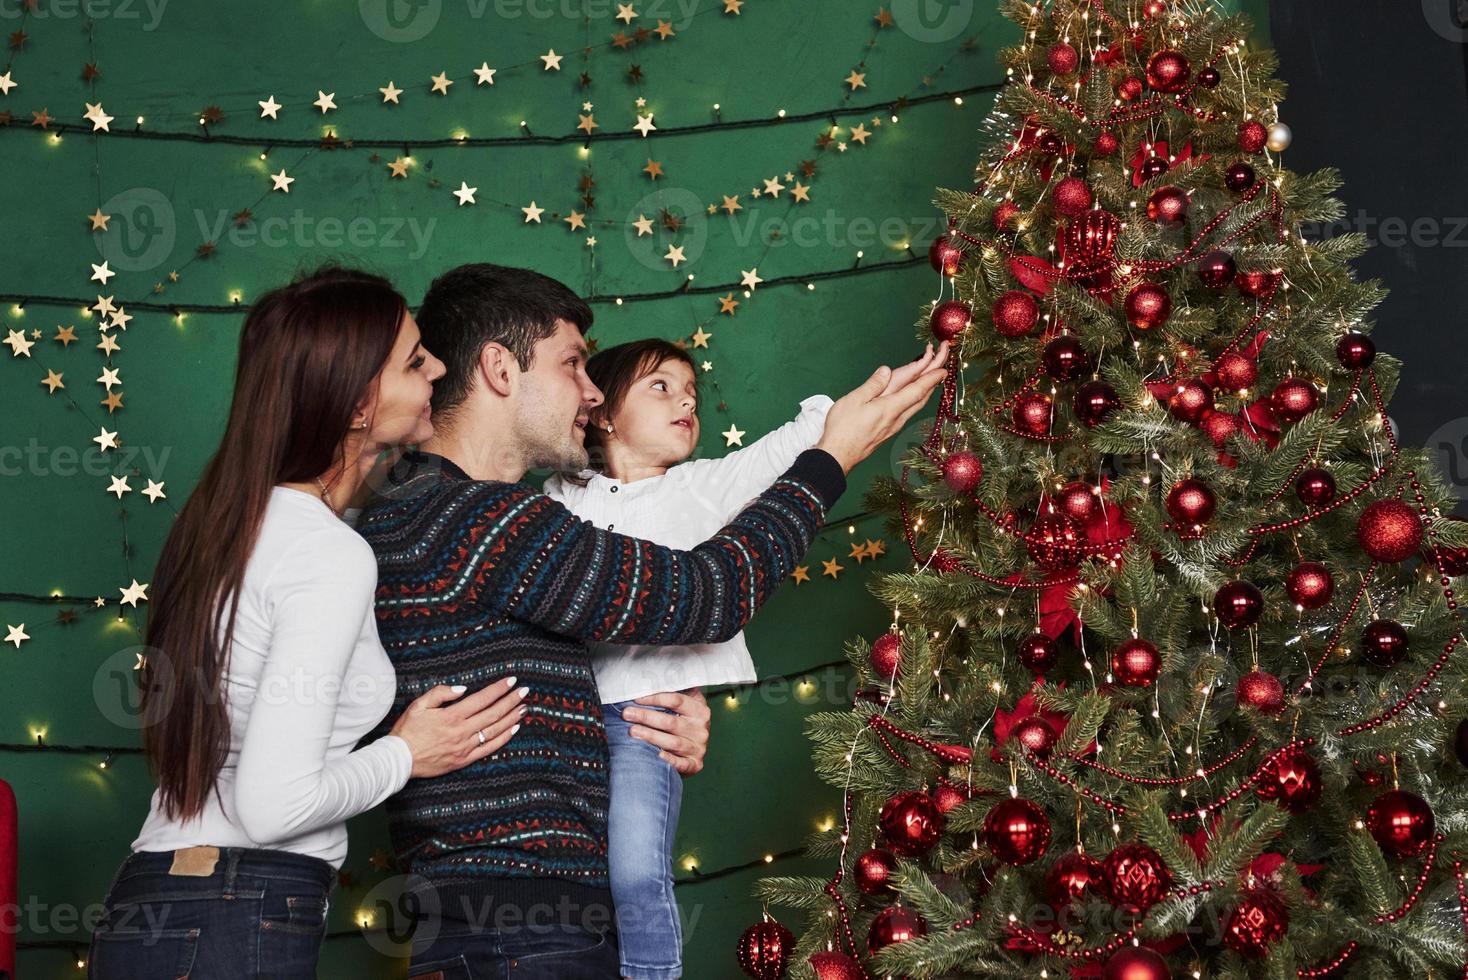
(820, 321)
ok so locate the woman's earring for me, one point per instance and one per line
(610, 430)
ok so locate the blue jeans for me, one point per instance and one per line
(646, 795)
(258, 913)
(461, 951)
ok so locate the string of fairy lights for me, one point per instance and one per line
(112, 318)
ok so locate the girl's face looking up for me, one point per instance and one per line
(657, 422)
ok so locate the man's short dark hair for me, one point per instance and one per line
(482, 303)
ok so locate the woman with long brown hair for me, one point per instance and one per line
(263, 667)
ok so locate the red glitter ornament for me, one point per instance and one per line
(1191, 502)
(949, 319)
(911, 823)
(946, 797)
(1219, 427)
(1168, 205)
(1080, 502)
(1310, 585)
(1004, 215)
(1135, 663)
(894, 925)
(945, 255)
(873, 871)
(1389, 531)
(1292, 781)
(1052, 541)
(962, 471)
(1256, 924)
(1169, 71)
(1217, 269)
(1235, 372)
(1036, 736)
(1147, 306)
(1135, 878)
(1129, 89)
(1401, 823)
(1091, 238)
(1240, 177)
(836, 966)
(1136, 963)
(1238, 604)
(1039, 653)
(1355, 351)
(1063, 58)
(886, 655)
(1191, 401)
(1032, 414)
(1261, 691)
(1384, 642)
(1315, 487)
(1253, 136)
(1073, 197)
(1107, 144)
(1294, 399)
(764, 950)
(1016, 313)
(1017, 831)
(1065, 359)
(1094, 402)
(1072, 878)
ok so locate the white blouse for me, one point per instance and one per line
(307, 678)
(681, 509)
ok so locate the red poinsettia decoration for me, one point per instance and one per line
(1159, 149)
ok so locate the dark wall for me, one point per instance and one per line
(1377, 89)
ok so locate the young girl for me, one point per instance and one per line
(643, 484)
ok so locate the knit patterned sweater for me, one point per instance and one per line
(480, 580)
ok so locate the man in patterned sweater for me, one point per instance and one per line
(480, 577)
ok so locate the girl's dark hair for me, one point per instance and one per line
(615, 370)
(309, 353)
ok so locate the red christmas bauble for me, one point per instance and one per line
(1052, 541)
(1017, 831)
(1035, 735)
(1219, 427)
(886, 655)
(1253, 137)
(1091, 238)
(1107, 144)
(1136, 963)
(1389, 531)
(1294, 399)
(962, 471)
(1256, 924)
(1384, 642)
(1072, 878)
(1135, 663)
(1147, 306)
(1217, 269)
(1130, 89)
(1239, 177)
(911, 823)
(836, 966)
(1168, 205)
(894, 925)
(1236, 372)
(1238, 604)
(1261, 691)
(1191, 502)
(1355, 351)
(946, 797)
(1191, 401)
(945, 256)
(1050, 144)
(873, 871)
(1154, 9)
(1210, 77)
(1065, 359)
(1039, 653)
(1032, 414)
(1315, 487)
(1094, 402)
(1292, 781)
(1154, 167)
(949, 319)
(1073, 197)
(1257, 282)
(1310, 585)
(1401, 822)
(1062, 58)
(1016, 313)
(1080, 502)
(764, 950)
(1135, 878)
(1169, 71)
(1004, 215)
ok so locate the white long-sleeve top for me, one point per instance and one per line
(681, 509)
(307, 678)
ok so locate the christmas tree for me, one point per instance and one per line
(1175, 685)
